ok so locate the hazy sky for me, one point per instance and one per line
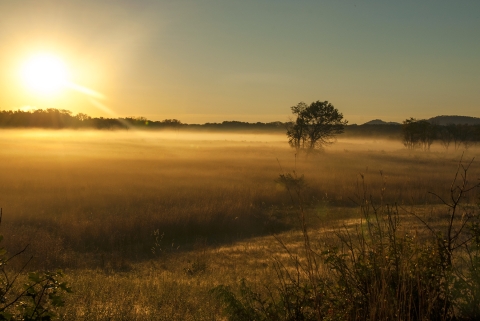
(206, 61)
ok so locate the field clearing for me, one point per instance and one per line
(160, 218)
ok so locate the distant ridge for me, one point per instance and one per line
(380, 122)
(445, 120)
(439, 120)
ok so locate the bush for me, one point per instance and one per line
(37, 299)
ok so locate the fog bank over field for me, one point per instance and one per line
(119, 135)
(172, 137)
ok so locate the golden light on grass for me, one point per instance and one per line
(91, 203)
(45, 74)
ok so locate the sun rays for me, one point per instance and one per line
(46, 75)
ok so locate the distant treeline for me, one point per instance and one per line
(415, 133)
(61, 118)
(391, 131)
(423, 133)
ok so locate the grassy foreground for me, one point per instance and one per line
(145, 225)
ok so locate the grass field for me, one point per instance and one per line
(145, 224)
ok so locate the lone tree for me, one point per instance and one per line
(316, 125)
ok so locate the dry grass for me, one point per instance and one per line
(90, 202)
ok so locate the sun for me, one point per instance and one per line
(44, 74)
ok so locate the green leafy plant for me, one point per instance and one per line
(37, 299)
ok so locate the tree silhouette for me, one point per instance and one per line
(316, 125)
(418, 133)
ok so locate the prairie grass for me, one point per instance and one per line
(146, 224)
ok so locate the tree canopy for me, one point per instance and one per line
(316, 125)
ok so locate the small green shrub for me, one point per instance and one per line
(37, 299)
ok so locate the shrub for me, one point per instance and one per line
(379, 269)
(37, 299)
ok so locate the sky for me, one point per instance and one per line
(210, 60)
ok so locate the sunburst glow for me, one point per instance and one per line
(44, 74)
